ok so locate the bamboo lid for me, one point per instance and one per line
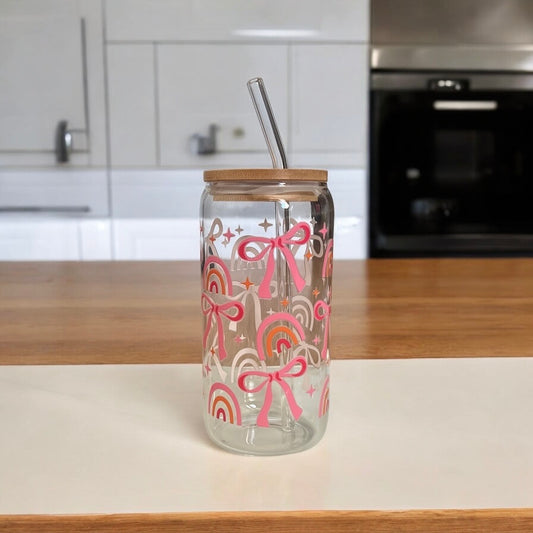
(266, 174)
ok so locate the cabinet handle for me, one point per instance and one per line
(45, 209)
(63, 142)
(204, 144)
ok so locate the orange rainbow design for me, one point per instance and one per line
(323, 406)
(278, 331)
(223, 404)
(216, 276)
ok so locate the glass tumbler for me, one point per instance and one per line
(266, 261)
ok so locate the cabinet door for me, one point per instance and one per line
(329, 103)
(349, 191)
(132, 106)
(43, 68)
(149, 239)
(55, 239)
(95, 239)
(204, 84)
(38, 240)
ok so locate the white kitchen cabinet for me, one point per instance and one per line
(58, 214)
(178, 239)
(149, 193)
(147, 204)
(156, 239)
(41, 50)
(95, 239)
(132, 105)
(318, 93)
(230, 20)
(329, 104)
(157, 194)
(349, 191)
(51, 70)
(176, 69)
(54, 239)
(204, 84)
(77, 192)
(26, 240)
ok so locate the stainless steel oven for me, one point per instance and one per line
(451, 132)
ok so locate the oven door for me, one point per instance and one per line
(451, 168)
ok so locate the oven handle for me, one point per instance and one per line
(465, 105)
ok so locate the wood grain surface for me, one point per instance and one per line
(148, 312)
(449, 521)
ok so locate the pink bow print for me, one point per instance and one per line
(212, 310)
(323, 311)
(279, 377)
(282, 243)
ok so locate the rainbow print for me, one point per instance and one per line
(303, 310)
(323, 406)
(216, 276)
(223, 404)
(276, 332)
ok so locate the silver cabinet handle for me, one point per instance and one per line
(45, 209)
(63, 147)
(202, 144)
(465, 105)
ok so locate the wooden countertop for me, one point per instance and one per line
(116, 312)
(148, 312)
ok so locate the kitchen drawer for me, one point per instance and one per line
(153, 193)
(60, 192)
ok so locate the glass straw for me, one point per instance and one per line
(259, 95)
(258, 92)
